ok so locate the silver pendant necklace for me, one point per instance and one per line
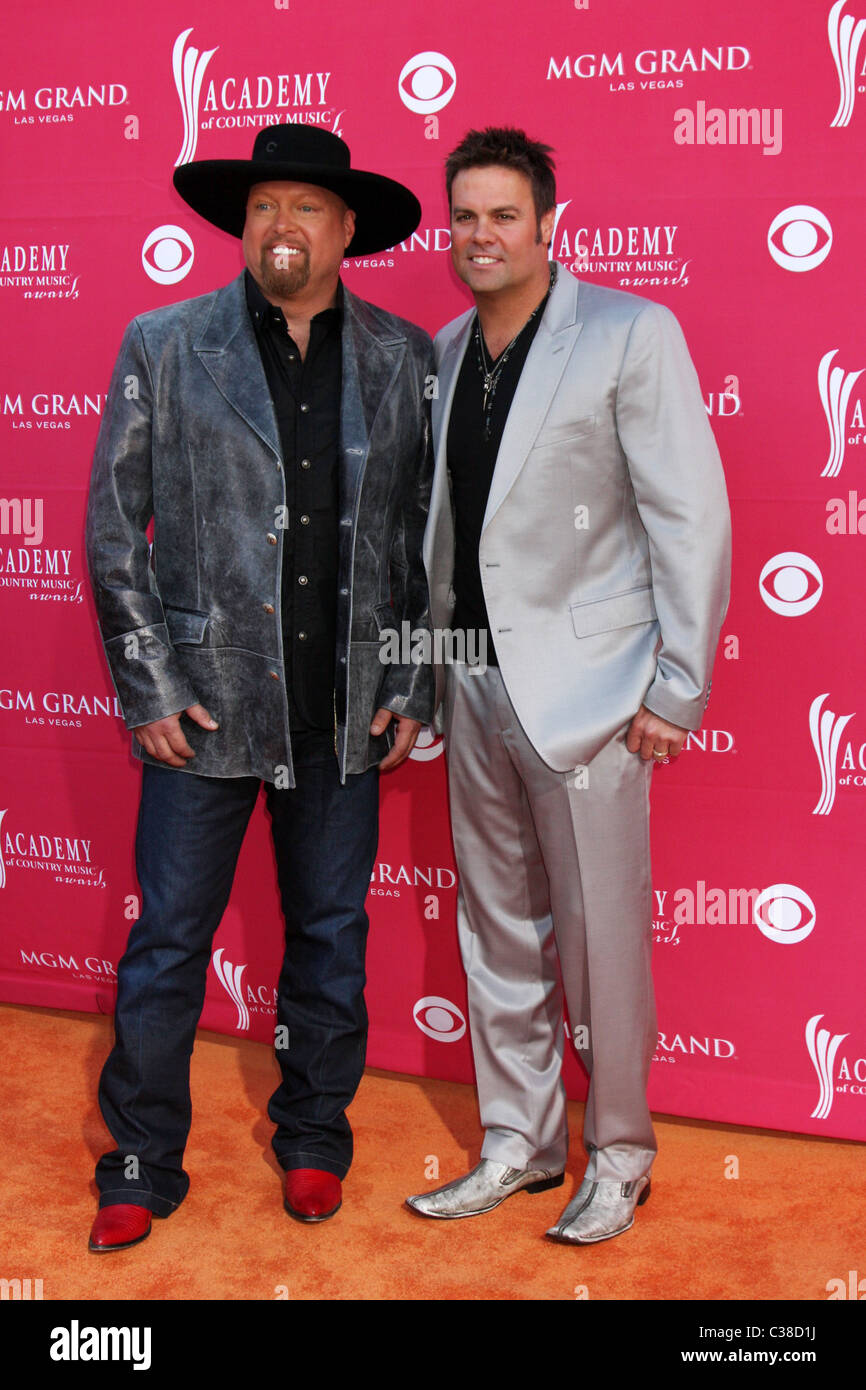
(490, 374)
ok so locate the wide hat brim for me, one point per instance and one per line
(385, 211)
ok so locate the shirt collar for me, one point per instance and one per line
(263, 313)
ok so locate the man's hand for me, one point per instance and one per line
(407, 732)
(652, 734)
(164, 738)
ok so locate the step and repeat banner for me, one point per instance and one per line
(708, 156)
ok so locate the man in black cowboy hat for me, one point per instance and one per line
(275, 432)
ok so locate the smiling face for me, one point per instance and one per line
(497, 243)
(295, 238)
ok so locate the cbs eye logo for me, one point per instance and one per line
(427, 746)
(784, 913)
(439, 1018)
(427, 77)
(791, 583)
(799, 238)
(167, 247)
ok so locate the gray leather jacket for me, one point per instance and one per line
(189, 438)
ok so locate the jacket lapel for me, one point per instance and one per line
(228, 351)
(449, 370)
(439, 535)
(372, 357)
(542, 372)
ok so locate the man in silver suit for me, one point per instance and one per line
(579, 521)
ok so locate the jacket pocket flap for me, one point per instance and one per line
(185, 626)
(566, 432)
(621, 610)
(384, 616)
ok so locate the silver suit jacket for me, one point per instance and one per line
(605, 547)
(189, 439)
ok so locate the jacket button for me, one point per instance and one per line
(344, 592)
(268, 607)
(272, 540)
(302, 579)
(305, 463)
(305, 521)
(302, 637)
(304, 407)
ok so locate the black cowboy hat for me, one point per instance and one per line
(385, 211)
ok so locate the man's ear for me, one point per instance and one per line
(546, 226)
(349, 224)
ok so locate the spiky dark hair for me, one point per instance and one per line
(513, 149)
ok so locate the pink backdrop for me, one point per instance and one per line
(754, 240)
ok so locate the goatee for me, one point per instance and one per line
(284, 281)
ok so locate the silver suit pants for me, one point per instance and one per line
(555, 895)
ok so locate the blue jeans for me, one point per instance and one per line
(190, 831)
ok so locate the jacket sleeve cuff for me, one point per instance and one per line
(686, 714)
(409, 691)
(148, 678)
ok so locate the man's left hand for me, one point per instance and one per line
(407, 732)
(650, 734)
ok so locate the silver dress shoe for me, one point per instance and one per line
(484, 1188)
(598, 1210)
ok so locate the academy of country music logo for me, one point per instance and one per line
(244, 102)
(68, 859)
(783, 912)
(835, 387)
(843, 407)
(43, 574)
(39, 270)
(841, 764)
(650, 70)
(845, 35)
(57, 105)
(636, 256)
(49, 410)
(247, 999)
(847, 1077)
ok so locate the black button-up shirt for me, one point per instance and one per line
(471, 461)
(306, 397)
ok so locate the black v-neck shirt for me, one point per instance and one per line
(471, 462)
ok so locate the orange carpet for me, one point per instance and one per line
(780, 1230)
